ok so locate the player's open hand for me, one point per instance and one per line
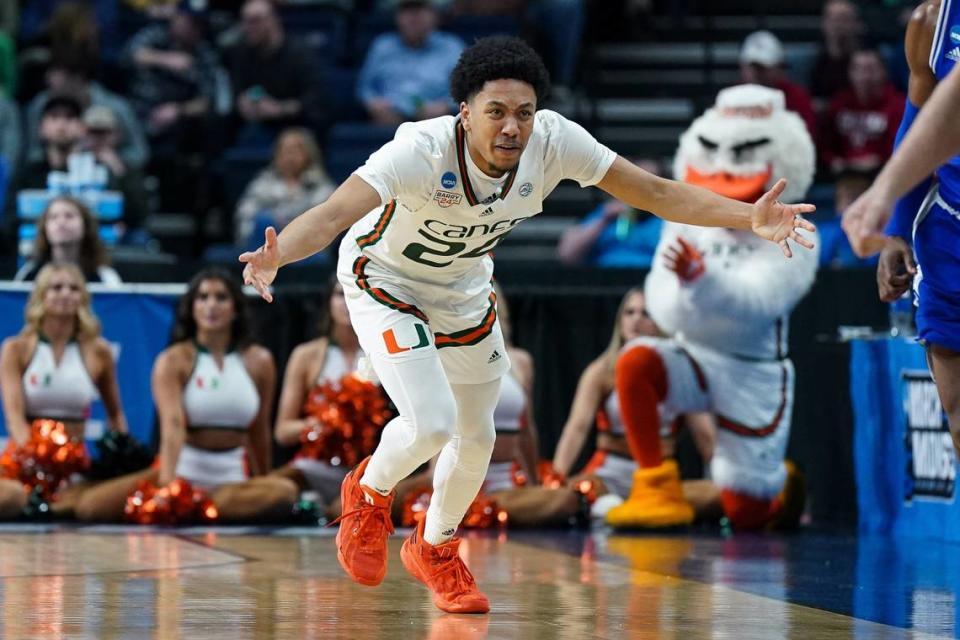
(262, 265)
(778, 222)
(864, 220)
(896, 269)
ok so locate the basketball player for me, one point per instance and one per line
(930, 213)
(426, 211)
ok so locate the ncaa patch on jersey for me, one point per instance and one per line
(526, 189)
(448, 180)
(955, 34)
(447, 198)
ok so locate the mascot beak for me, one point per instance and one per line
(744, 188)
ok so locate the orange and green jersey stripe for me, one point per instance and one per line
(372, 238)
(473, 335)
(382, 296)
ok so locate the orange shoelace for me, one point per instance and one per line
(373, 520)
(453, 572)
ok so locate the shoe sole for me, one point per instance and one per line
(412, 567)
(367, 582)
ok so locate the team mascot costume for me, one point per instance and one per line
(725, 298)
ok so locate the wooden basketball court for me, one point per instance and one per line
(116, 582)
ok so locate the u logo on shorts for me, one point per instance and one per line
(390, 340)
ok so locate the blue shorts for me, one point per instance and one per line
(936, 242)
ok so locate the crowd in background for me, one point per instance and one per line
(165, 99)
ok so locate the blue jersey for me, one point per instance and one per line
(944, 54)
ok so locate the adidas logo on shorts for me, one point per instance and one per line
(494, 357)
(449, 532)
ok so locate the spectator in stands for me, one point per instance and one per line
(613, 234)
(861, 122)
(68, 233)
(404, 76)
(294, 182)
(10, 139)
(62, 133)
(559, 24)
(213, 388)
(174, 75)
(275, 81)
(59, 132)
(57, 365)
(59, 31)
(65, 78)
(762, 62)
(841, 28)
(102, 138)
(835, 249)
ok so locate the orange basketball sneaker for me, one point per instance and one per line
(445, 574)
(364, 528)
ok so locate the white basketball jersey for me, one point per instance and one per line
(441, 216)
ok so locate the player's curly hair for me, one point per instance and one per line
(498, 58)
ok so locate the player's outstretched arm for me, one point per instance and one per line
(308, 233)
(688, 204)
(864, 221)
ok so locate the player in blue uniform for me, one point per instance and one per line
(929, 211)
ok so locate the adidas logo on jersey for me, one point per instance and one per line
(494, 357)
(486, 212)
(954, 54)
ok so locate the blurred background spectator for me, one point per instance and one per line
(613, 234)
(66, 78)
(59, 133)
(10, 141)
(173, 75)
(102, 138)
(294, 182)
(406, 73)
(68, 232)
(762, 62)
(60, 32)
(841, 33)
(276, 83)
(862, 120)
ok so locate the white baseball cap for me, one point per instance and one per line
(763, 48)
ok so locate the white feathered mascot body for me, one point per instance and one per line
(726, 296)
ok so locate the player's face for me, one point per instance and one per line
(499, 121)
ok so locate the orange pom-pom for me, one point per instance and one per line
(483, 513)
(47, 459)
(176, 503)
(550, 477)
(348, 418)
(588, 489)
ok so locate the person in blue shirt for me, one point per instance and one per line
(405, 74)
(612, 235)
(921, 242)
(835, 249)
